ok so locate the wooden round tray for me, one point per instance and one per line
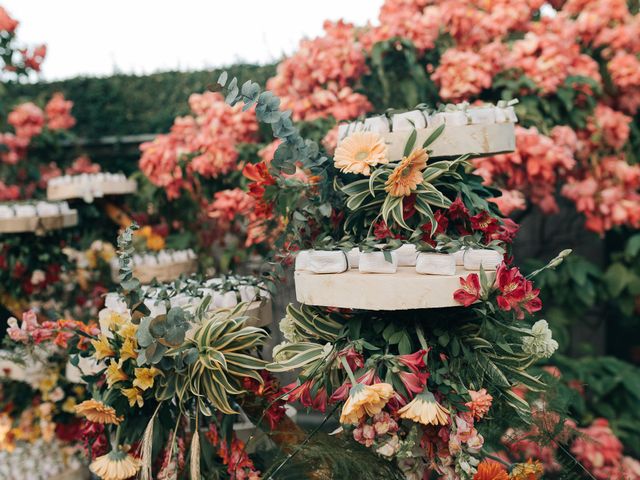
(95, 190)
(403, 290)
(38, 223)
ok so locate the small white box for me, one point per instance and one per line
(374, 262)
(302, 260)
(353, 257)
(407, 255)
(323, 261)
(429, 263)
(488, 259)
(404, 122)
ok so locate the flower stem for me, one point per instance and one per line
(346, 366)
(421, 339)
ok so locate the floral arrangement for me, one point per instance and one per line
(161, 384)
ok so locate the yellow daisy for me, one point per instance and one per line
(102, 348)
(365, 400)
(134, 395)
(359, 152)
(115, 465)
(97, 412)
(406, 177)
(425, 409)
(144, 377)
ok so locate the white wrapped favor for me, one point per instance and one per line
(378, 124)
(6, 211)
(482, 115)
(431, 263)
(302, 260)
(459, 256)
(225, 300)
(407, 255)
(25, 210)
(375, 262)
(353, 257)
(403, 122)
(323, 261)
(248, 293)
(488, 259)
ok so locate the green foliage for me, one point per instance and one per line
(130, 104)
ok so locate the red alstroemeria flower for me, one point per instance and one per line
(414, 361)
(485, 223)
(531, 302)
(413, 382)
(457, 210)
(507, 231)
(381, 231)
(470, 291)
(443, 224)
(353, 358)
(511, 284)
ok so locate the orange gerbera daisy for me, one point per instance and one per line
(406, 177)
(115, 465)
(365, 400)
(359, 152)
(491, 470)
(98, 412)
(425, 409)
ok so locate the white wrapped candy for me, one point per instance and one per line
(403, 122)
(374, 262)
(353, 257)
(248, 293)
(407, 255)
(321, 261)
(225, 300)
(46, 209)
(435, 119)
(431, 263)
(482, 115)
(25, 210)
(6, 211)
(456, 118)
(302, 260)
(488, 259)
(378, 124)
(459, 256)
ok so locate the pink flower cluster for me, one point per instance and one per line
(28, 121)
(625, 74)
(317, 81)
(601, 453)
(373, 428)
(205, 142)
(534, 169)
(608, 194)
(58, 112)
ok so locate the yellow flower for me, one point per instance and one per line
(128, 330)
(48, 382)
(406, 177)
(425, 409)
(102, 348)
(365, 400)
(69, 405)
(128, 349)
(97, 412)
(134, 395)
(107, 252)
(144, 377)
(114, 373)
(115, 465)
(145, 231)
(111, 319)
(92, 258)
(155, 242)
(527, 471)
(359, 152)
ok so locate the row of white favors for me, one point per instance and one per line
(459, 115)
(427, 263)
(88, 178)
(38, 209)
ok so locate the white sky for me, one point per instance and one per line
(143, 36)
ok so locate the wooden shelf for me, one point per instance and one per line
(39, 224)
(403, 290)
(93, 190)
